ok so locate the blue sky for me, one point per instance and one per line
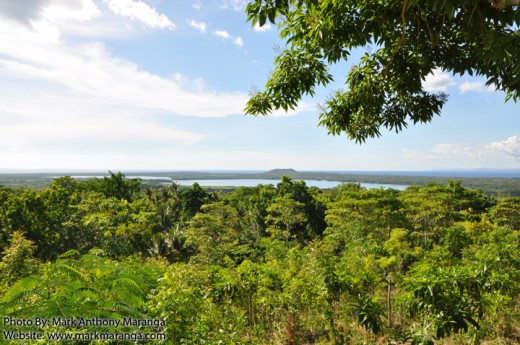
(161, 85)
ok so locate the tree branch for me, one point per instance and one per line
(503, 4)
(401, 40)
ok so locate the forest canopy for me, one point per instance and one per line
(284, 264)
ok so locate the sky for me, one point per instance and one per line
(161, 85)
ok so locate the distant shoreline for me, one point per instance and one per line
(491, 185)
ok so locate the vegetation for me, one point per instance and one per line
(284, 264)
(290, 264)
(404, 41)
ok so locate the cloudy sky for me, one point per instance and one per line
(161, 85)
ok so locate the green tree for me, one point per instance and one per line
(63, 230)
(117, 226)
(462, 294)
(432, 209)
(408, 40)
(286, 219)
(47, 216)
(219, 236)
(507, 212)
(448, 296)
(193, 199)
(313, 209)
(116, 185)
(168, 240)
(17, 260)
(399, 256)
(180, 301)
(376, 211)
(252, 204)
(200, 304)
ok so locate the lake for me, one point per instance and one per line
(254, 182)
(247, 182)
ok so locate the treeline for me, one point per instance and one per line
(284, 264)
(494, 186)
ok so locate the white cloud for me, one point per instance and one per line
(63, 16)
(139, 10)
(78, 126)
(70, 17)
(410, 153)
(222, 34)
(437, 81)
(454, 150)
(79, 10)
(73, 103)
(468, 156)
(22, 11)
(266, 27)
(198, 5)
(200, 26)
(476, 86)
(197, 84)
(440, 152)
(47, 32)
(58, 99)
(88, 70)
(29, 11)
(237, 5)
(239, 42)
(509, 147)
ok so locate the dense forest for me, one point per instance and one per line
(284, 264)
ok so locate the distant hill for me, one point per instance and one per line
(280, 172)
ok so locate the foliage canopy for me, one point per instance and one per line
(406, 40)
(284, 264)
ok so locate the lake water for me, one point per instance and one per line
(255, 182)
(248, 182)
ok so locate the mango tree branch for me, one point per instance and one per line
(503, 4)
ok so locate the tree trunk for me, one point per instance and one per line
(389, 302)
(289, 329)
